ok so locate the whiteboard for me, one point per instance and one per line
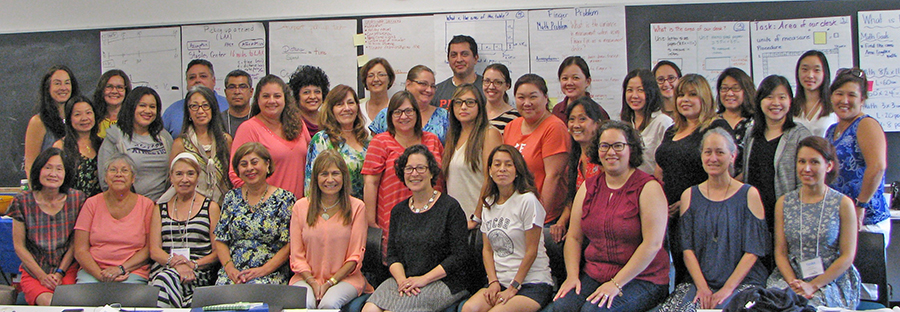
(703, 48)
(404, 41)
(227, 47)
(879, 36)
(502, 37)
(150, 57)
(327, 44)
(597, 34)
(776, 45)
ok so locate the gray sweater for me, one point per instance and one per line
(151, 160)
(785, 158)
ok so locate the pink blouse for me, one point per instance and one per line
(324, 248)
(114, 241)
(288, 157)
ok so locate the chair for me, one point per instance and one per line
(284, 296)
(99, 294)
(870, 263)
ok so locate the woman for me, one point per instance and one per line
(383, 190)
(667, 75)
(514, 248)
(723, 233)
(81, 139)
(309, 85)
(862, 152)
(427, 251)
(181, 237)
(770, 147)
(139, 134)
(110, 239)
(277, 125)
(469, 141)
(623, 207)
(43, 221)
(735, 104)
(837, 284)
(378, 77)
(678, 156)
(544, 143)
(419, 83)
(251, 239)
(813, 79)
(328, 236)
(204, 136)
(112, 88)
(343, 130)
(583, 121)
(574, 80)
(641, 103)
(496, 82)
(47, 126)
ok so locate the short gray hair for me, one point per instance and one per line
(729, 140)
(121, 156)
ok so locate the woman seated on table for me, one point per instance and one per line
(427, 251)
(723, 232)
(180, 236)
(806, 230)
(513, 219)
(625, 208)
(252, 236)
(43, 221)
(328, 236)
(111, 232)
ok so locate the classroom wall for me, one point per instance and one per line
(53, 15)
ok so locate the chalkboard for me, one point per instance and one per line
(639, 18)
(25, 58)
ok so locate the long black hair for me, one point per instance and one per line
(48, 109)
(592, 110)
(101, 108)
(824, 94)
(766, 87)
(653, 101)
(70, 141)
(126, 113)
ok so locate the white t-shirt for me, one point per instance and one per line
(505, 227)
(652, 136)
(818, 126)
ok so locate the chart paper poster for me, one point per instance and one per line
(151, 57)
(879, 37)
(327, 44)
(404, 41)
(777, 45)
(227, 47)
(703, 48)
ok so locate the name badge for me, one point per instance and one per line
(812, 267)
(184, 252)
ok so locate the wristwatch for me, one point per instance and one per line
(515, 285)
(863, 205)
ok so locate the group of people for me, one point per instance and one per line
(280, 182)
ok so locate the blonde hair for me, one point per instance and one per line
(707, 104)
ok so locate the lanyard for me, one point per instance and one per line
(821, 216)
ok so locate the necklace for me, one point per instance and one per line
(427, 205)
(187, 221)
(715, 228)
(259, 203)
(325, 214)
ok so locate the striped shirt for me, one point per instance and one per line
(192, 233)
(500, 122)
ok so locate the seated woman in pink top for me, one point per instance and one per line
(328, 237)
(277, 125)
(111, 232)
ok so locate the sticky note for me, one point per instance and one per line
(871, 85)
(362, 60)
(820, 37)
(359, 39)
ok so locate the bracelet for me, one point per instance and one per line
(196, 265)
(169, 260)
(226, 263)
(121, 267)
(613, 280)
(494, 281)
(332, 281)
(60, 271)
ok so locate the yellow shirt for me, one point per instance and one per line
(105, 124)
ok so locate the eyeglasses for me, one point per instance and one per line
(661, 80)
(735, 88)
(380, 75)
(195, 107)
(419, 169)
(233, 87)
(470, 103)
(119, 88)
(407, 112)
(618, 146)
(496, 83)
(855, 72)
(424, 84)
(118, 171)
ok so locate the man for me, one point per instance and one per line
(238, 91)
(199, 72)
(462, 54)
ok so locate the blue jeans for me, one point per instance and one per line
(84, 277)
(637, 296)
